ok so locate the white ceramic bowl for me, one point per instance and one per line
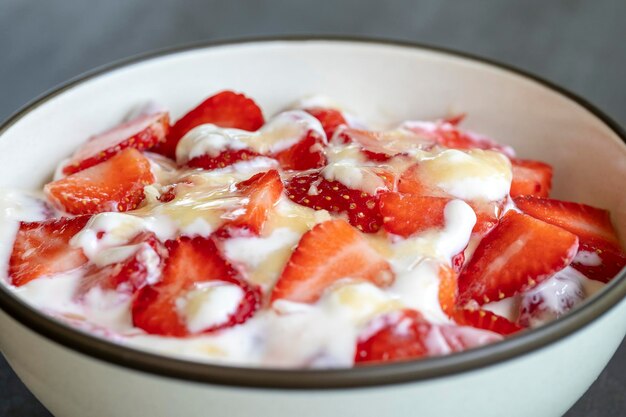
(540, 372)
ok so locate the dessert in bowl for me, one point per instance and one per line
(263, 195)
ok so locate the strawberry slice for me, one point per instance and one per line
(222, 160)
(224, 109)
(488, 215)
(143, 132)
(262, 191)
(141, 268)
(329, 252)
(42, 249)
(113, 185)
(400, 336)
(448, 290)
(530, 178)
(518, 254)
(592, 225)
(306, 154)
(599, 262)
(190, 262)
(330, 119)
(550, 300)
(313, 190)
(486, 320)
(406, 215)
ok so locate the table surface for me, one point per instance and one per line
(576, 43)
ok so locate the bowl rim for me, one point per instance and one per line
(318, 379)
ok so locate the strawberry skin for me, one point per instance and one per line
(590, 224)
(222, 160)
(611, 261)
(486, 320)
(113, 185)
(406, 214)
(42, 248)
(329, 252)
(448, 290)
(330, 119)
(224, 109)
(306, 154)
(263, 191)
(362, 208)
(515, 256)
(401, 336)
(530, 178)
(141, 133)
(190, 261)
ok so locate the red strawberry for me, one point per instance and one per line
(263, 191)
(131, 274)
(330, 119)
(530, 178)
(448, 289)
(406, 214)
(399, 336)
(306, 154)
(488, 215)
(222, 160)
(190, 262)
(313, 190)
(457, 261)
(224, 109)
(601, 262)
(486, 320)
(42, 248)
(411, 182)
(113, 185)
(330, 251)
(550, 300)
(143, 132)
(592, 225)
(515, 256)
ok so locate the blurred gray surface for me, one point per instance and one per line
(576, 43)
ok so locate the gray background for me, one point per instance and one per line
(578, 44)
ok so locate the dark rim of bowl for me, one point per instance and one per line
(363, 376)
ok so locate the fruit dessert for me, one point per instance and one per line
(304, 240)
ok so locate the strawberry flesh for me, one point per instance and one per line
(515, 256)
(190, 262)
(599, 262)
(406, 214)
(327, 253)
(222, 160)
(530, 178)
(143, 132)
(486, 320)
(113, 185)
(43, 249)
(330, 119)
(306, 154)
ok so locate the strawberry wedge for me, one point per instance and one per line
(141, 133)
(191, 263)
(530, 178)
(327, 253)
(406, 214)
(113, 185)
(514, 257)
(486, 320)
(330, 119)
(42, 249)
(224, 109)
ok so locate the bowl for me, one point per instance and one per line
(543, 371)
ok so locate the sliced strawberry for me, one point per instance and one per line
(222, 160)
(399, 336)
(406, 214)
(448, 290)
(113, 185)
(592, 225)
(599, 262)
(530, 178)
(486, 320)
(458, 261)
(313, 190)
(262, 191)
(224, 109)
(42, 249)
(306, 154)
(515, 256)
(330, 119)
(411, 182)
(550, 300)
(190, 262)
(141, 268)
(143, 132)
(488, 215)
(330, 251)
